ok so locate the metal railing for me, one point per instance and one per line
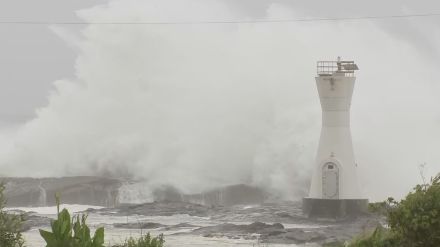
(328, 68)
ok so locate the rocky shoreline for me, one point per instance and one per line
(225, 213)
(272, 223)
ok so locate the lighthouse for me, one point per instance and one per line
(334, 189)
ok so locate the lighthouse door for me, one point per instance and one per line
(330, 181)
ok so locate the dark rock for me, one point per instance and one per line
(140, 225)
(163, 209)
(256, 227)
(179, 226)
(183, 225)
(283, 215)
(32, 221)
(301, 236)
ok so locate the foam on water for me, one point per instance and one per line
(116, 235)
(52, 210)
(96, 219)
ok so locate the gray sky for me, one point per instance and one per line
(32, 57)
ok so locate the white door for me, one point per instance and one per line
(330, 181)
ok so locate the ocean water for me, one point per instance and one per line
(118, 235)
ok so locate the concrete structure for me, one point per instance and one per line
(334, 191)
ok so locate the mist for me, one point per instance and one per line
(200, 106)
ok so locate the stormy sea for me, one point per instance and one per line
(235, 215)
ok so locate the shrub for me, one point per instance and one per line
(380, 208)
(143, 241)
(10, 225)
(380, 237)
(61, 235)
(416, 219)
(413, 222)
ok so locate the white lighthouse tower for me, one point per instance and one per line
(334, 189)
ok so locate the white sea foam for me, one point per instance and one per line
(52, 210)
(118, 235)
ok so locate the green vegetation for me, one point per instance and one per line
(416, 219)
(67, 231)
(413, 222)
(61, 234)
(380, 208)
(62, 227)
(143, 241)
(380, 237)
(10, 225)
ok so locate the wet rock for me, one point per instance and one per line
(259, 227)
(283, 214)
(312, 231)
(302, 236)
(34, 221)
(183, 225)
(317, 231)
(152, 225)
(161, 209)
(179, 226)
(140, 225)
(256, 227)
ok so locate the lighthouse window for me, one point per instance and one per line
(330, 166)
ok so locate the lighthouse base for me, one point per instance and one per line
(334, 208)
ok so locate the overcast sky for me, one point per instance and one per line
(33, 57)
